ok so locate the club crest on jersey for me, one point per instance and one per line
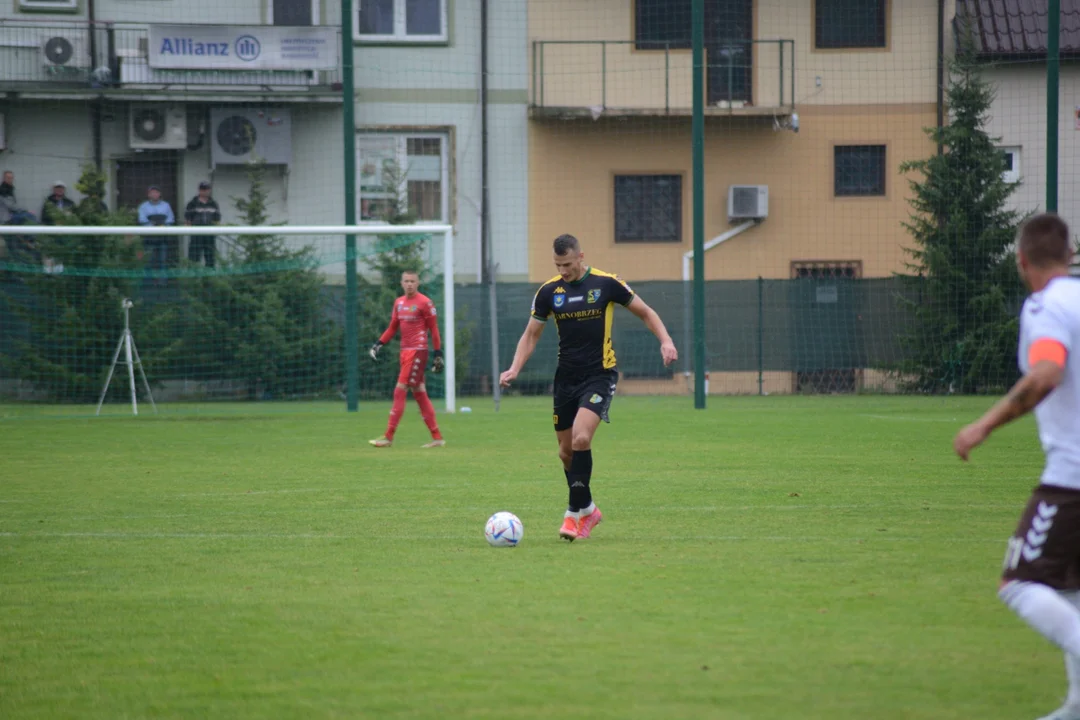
(559, 300)
(596, 398)
(594, 295)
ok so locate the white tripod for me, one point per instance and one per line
(127, 344)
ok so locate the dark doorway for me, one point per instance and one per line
(134, 178)
(294, 13)
(729, 30)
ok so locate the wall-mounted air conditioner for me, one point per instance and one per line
(64, 51)
(748, 202)
(243, 135)
(157, 126)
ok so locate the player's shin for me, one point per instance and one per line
(427, 411)
(396, 411)
(578, 476)
(1041, 607)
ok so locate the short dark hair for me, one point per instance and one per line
(565, 243)
(1044, 241)
(411, 272)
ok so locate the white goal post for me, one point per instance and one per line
(447, 231)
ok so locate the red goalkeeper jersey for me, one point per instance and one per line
(416, 317)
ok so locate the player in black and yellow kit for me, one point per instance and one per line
(582, 300)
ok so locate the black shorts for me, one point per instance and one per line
(594, 391)
(1046, 546)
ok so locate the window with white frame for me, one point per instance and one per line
(401, 20)
(403, 172)
(1012, 164)
(48, 5)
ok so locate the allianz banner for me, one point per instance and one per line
(242, 47)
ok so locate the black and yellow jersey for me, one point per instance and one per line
(583, 311)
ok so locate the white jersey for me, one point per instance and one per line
(1054, 313)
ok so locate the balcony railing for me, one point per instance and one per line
(76, 55)
(632, 77)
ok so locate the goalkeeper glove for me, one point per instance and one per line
(374, 351)
(437, 364)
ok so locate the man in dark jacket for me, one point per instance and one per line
(57, 202)
(202, 211)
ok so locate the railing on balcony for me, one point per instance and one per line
(619, 77)
(115, 55)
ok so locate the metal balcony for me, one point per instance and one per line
(73, 58)
(583, 78)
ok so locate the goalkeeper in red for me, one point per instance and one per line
(414, 313)
(582, 300)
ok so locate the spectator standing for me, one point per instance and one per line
(202, 211)
(155, 212)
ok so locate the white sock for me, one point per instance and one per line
(572, 514)
(1041, 607)
(1072, 662)
(588, 510)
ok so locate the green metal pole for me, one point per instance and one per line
(352, 370)
(1053, 65)
(698, 143)
(760, 335)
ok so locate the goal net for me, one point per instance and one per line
(266, 321)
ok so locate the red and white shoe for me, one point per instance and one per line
(587, 522)
(569, 529)
(381, 442)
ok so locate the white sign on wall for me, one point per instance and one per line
(242, 47)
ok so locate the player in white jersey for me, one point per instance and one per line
(1041, 580)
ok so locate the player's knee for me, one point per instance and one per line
(419, 389)
(581, 441)
(565, 454)
(402, 386)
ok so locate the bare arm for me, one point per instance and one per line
(1028, 392)
(525, 347)
(656, 326)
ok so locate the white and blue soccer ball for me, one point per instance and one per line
(504, 529)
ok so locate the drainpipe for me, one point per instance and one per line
(940, 69)
(95, 106)
(687, 259)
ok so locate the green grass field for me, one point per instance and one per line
(767, 558)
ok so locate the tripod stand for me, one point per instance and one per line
(127, 344)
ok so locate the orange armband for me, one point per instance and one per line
(1047, 349)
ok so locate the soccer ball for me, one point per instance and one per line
(503, 529)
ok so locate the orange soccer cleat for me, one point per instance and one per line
(587, 522)
(569, 529)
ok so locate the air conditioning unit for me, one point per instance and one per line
(243, 135)
(63, 51)
(157, 127)
(748, 202)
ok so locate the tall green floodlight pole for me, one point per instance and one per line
(1053, 65)
(698, 131)
(348, 88)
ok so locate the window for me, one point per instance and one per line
(1012, 165)
(401, 20)
(403, 171)
(842, 24)
(859, 170)
(294, 13)
(660, 22)
(56, 5)
(648, 208)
